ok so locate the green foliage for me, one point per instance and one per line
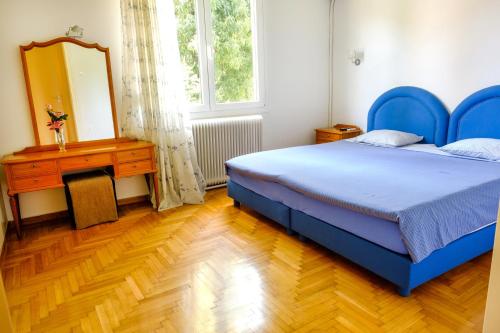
(188, 47)
(232, 30)
(232, 35)
(54, 116)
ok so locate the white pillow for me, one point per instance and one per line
(388, 138)
(488, 149)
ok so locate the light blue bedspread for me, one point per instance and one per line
(435, 199)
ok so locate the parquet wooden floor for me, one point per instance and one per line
(216, 268)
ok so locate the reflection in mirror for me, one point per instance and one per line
(74, 80)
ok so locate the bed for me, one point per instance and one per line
(363, 202)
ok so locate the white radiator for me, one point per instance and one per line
(220, 139)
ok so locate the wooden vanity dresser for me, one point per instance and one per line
(72, 77)
(40, 170)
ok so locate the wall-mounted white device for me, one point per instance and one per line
(75, 32)
(357, 56)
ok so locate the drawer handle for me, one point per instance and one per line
(35, 181)
(86, 159)
(134, 166)
(34, 165)
(133, 153)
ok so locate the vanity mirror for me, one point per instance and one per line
(74, 78)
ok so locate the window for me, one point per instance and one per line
(219, 43)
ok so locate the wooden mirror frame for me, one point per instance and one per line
(39, 147)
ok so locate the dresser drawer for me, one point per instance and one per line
(24, 170)
(134, 168)
(34, 183)
(325, 136)
(349, 135)
(133, 155)
(87, 161)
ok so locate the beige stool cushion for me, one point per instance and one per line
(93, 199)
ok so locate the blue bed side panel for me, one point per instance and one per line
(478, 116)
(413, 110)
(453, 255)
(388, 264)
(274, 210)
(397, 268)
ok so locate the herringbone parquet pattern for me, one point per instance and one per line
(216, 268)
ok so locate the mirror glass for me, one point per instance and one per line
(72, 79)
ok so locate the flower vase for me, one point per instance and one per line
(61, 141)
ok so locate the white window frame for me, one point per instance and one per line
(209, 107)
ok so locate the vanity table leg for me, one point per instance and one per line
(157, 193)
(14, 206)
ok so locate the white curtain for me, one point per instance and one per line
(154, 98)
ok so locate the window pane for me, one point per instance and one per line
(232, 34)
(187, 34)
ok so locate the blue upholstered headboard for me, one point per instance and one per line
(478, 116)
(413, 110)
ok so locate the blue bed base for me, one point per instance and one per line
(394, 267)
(273, 210)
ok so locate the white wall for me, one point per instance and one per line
(296, 40)
(449, 47)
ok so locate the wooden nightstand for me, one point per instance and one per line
(324, 135)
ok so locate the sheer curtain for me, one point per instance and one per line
(154, 98)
